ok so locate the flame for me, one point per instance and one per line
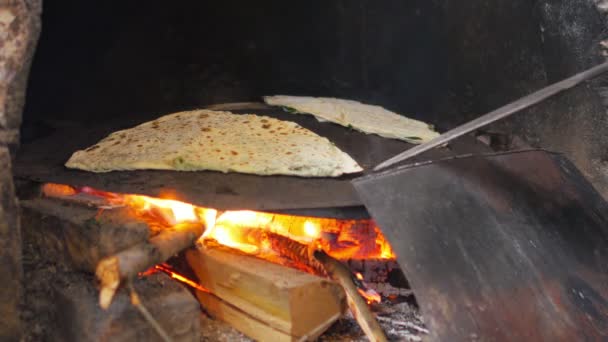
(209, 217)
(386, 251)
(181, 278)
(311, 229)
(174, 275)
(230, 238)
(370, 296)
(342, 239)
(249, 231)
(243, 229)
(171, 211)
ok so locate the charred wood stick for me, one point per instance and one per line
(340, 273)
(128, 263)
(297, 252)
(136, 302)
(299, 255)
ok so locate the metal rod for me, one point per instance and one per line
(497, 114)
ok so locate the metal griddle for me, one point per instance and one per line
(42, 159)
(504, 247)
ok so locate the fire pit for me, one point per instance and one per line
(285, 296)
(276, 218)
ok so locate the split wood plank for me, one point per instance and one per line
(242, 321)
(265, 301)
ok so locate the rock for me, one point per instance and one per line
(19, 30)
(11, 271)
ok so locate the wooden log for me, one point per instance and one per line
(265, 301)
(356, 303)
(128, 263)
(79, 236)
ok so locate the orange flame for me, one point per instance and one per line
(174, 275)
(371, 297)
(342, 239)
(58, 190)
(170, 211)
(245, 230)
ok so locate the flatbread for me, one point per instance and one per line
(362, 117)
(220, 141)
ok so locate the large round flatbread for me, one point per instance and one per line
(220, 141)
(362, 117)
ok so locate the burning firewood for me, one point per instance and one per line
(176, 225)
(356, 303)
(305, 257)
(128, 263)
(253, 233)
(264, 300)
(297, 252)
(301, 256)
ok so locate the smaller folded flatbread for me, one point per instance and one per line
(362, 117)
(219, 141)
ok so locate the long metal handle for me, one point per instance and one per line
(497, 114)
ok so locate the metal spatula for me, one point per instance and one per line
(500, 113)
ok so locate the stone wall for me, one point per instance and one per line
(11, 271)
(574, 37)
(501, 50)
(19, 29)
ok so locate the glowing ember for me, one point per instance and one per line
(58, 190)
(174, 275)
(371, 296)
